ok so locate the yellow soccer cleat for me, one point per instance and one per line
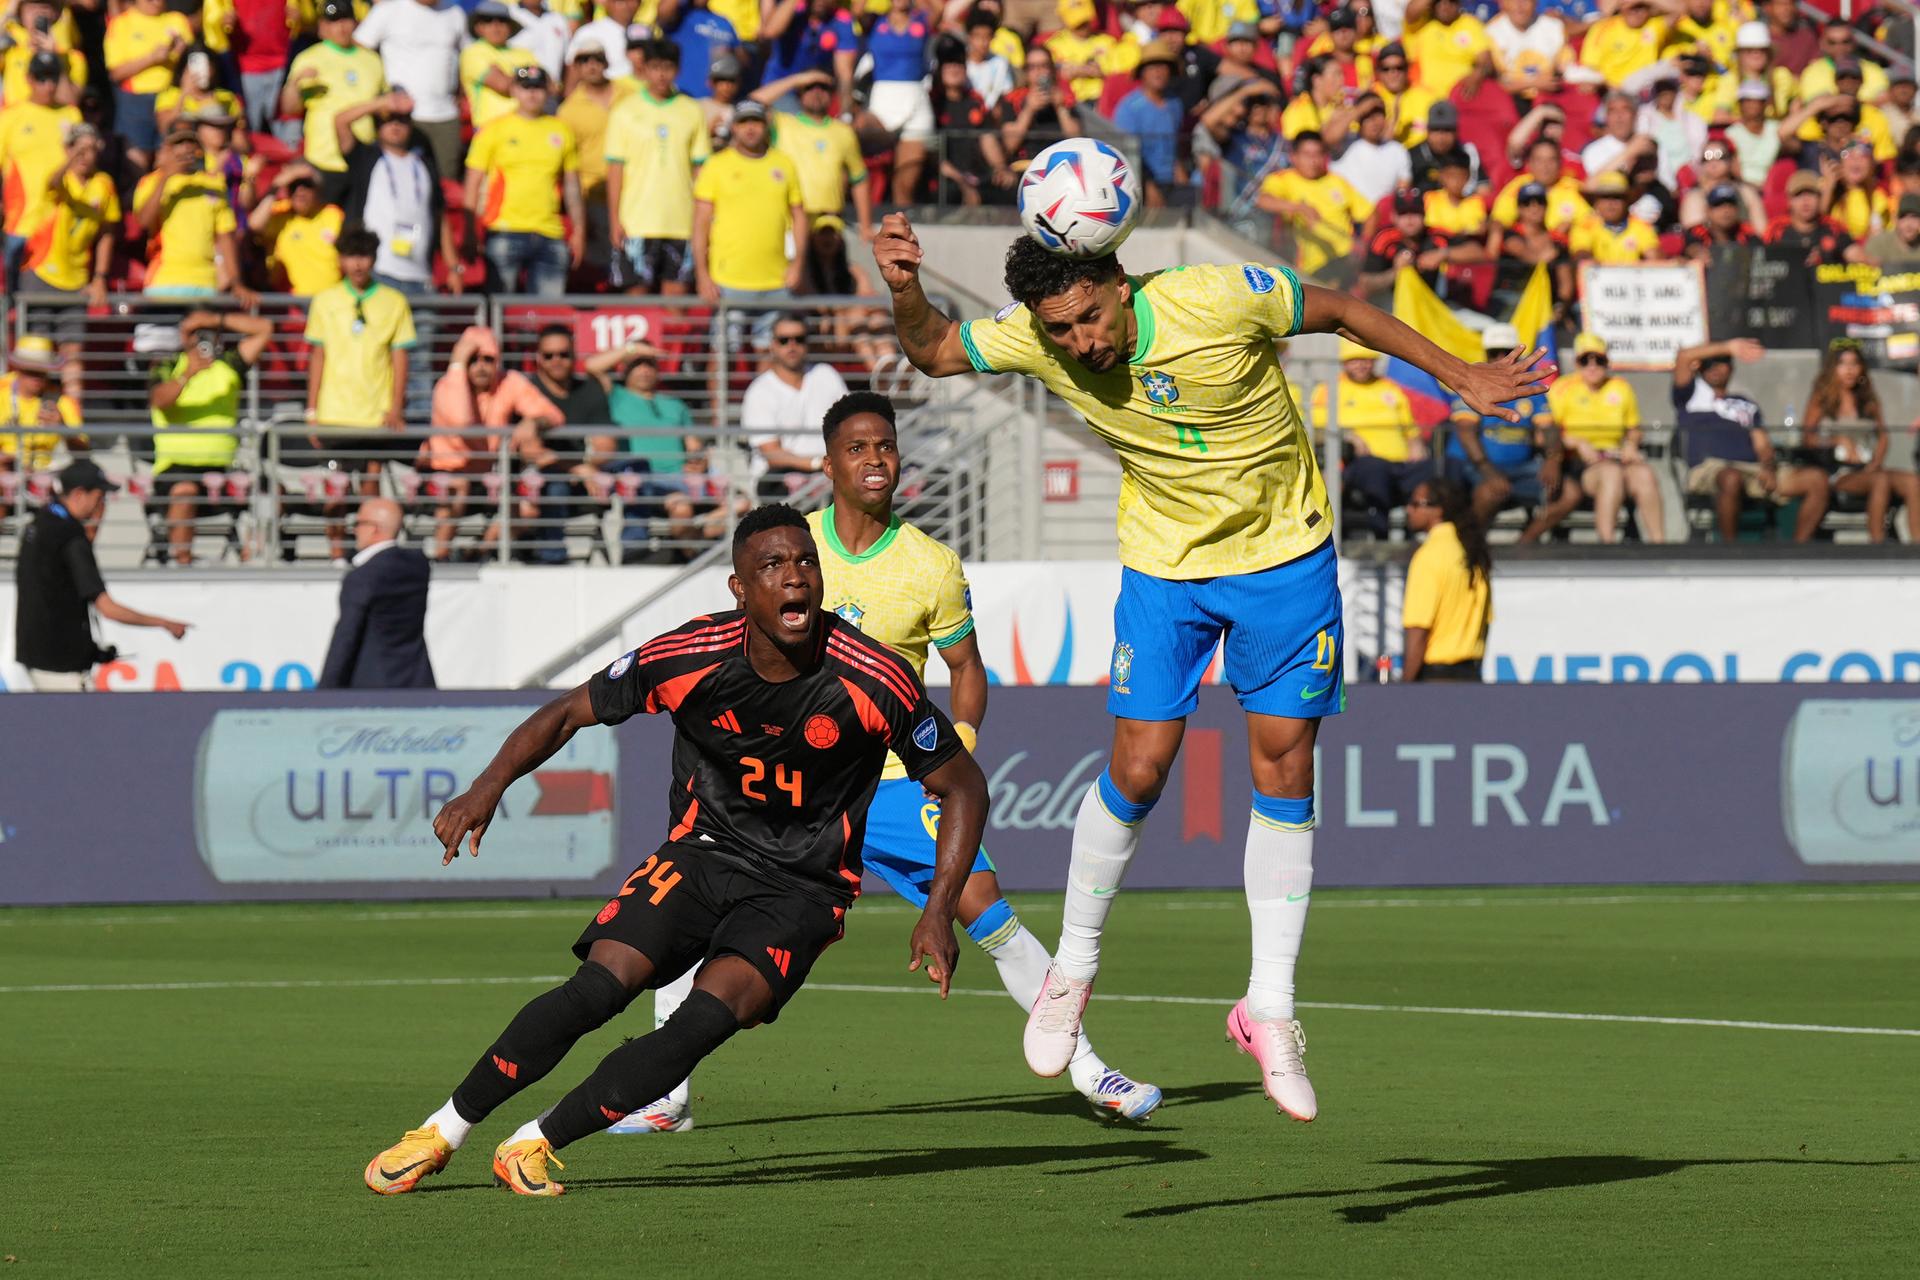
(521, 1167)
(401, 1166)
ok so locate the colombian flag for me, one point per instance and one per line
(1417, 306)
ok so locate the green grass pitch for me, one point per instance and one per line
(218, 1124)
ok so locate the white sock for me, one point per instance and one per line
(1103, 845)
(665, 1000)
(1022, 961)
(1279, 878)
(452, 1126)
(528, 1132)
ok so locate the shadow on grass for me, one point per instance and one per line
(1063, 1101)
(776, 1168)
(1488, 1179)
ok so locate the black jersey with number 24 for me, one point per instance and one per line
(777, 777)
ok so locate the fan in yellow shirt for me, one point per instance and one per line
(487, 65)
(1566, 203)
(1448, 606)
(1444, 45)
(1707, 28)
(1627, 42)
(191, 247)
(19, 57)
(1376, 419)
(825, 151)
(1451, 210)
(298, 230)
(746, 210)
(1599, 418)
(1608, 234)
(32, 146)
(1083, 53)
(325, 79)
(656, 140)
(522, 170)
(28, 399)
(1322, 208)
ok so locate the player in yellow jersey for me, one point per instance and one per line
(909, 592)
(1225, 536)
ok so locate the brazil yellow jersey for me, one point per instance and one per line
(907, 591)
(1218, 473)
(826, 155)
(360, 332)
(657, 145)
(1602, 417)
(194, 215)
(342, 78)
(485, 105)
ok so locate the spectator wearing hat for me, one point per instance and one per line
(1716, 168)
(475, 392)
(1370, 158)
(1527, 243)
(1729, 457)
(1340, 44)
(222, 142)
(1608, 234)
(58, 587)
(831, 272)
(488, 65)
(611, 32)
(703, 35)
(1512, 463)
(36, 27)
(1723, 224)
(1159, 119)
(1753, 59)
(1442, 138)
(825, 151)
(144, 42)
(1839, 49)
(70, 252)
(523, 171)
(1529, 47)
(1387, 457)
(360, 334)
(1443, 43)
(1848, 99)
(194, 398)
(1040, 112)
(192, 247)
(1898, 108)
(1406, 102)
(1243, 53)
(656, 140)
(1453, 210)
(1805, 226)
(1599, 419)
(419, 43)
(297, 231)
(1082, 52)
(545, 33)
(380, 641)
(990, 74)
(1321, 107)
(1754, 137)
(726, 79)
(32, 412)
(1409, 242)
(746, 211)
(32, 148)
(393, 189)
(195, 93)
(325, 79)
(1319, 207)
(1897, 248)
(260, 41)
(1624, 44)
(1546, 168)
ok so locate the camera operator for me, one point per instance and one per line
(56, 581)
(195, 398)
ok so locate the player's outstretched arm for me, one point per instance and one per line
(962, 790)
(467, 816)
(930, 339)
(1486, 386)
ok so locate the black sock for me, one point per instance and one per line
(538, 1037)
(641, 1071)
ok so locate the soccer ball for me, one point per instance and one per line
(1079, 197)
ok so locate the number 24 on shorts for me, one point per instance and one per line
(655, 873)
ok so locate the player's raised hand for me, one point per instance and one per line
(465, 817)
(934, 944)
(1488, 386)
(897, 252)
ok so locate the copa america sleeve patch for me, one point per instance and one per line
(1001, 315)
(1258, 280)
(926, 734)
(620, 666)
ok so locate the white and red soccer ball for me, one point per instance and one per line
(1080, 197)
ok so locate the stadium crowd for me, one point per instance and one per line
(361, 157)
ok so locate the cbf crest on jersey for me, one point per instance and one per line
(1160, 387)
(851, 614)
(1122, 667)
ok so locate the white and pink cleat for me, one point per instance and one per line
(1053, 1024)
(1280, 1049)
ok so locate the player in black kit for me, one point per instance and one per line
(783, 716)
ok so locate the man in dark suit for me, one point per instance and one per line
(380, 641)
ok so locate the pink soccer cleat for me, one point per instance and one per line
(1053, 1024)
(1280, 1049)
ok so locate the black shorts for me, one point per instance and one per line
(653, 263)
(349, 450)
(682, 907)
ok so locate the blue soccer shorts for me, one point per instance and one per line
(901, 824)
(1281, 627)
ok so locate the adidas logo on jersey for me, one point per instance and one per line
(728, 721)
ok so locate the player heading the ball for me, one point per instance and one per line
(1225, 538)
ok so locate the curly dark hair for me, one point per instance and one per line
(775, 515)
(1456, 507)
(852, 405)
(356, 241)
(1035, 273)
